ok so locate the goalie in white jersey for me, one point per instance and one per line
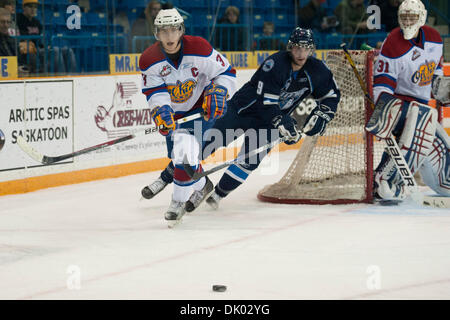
(410, 63)
(183, 75)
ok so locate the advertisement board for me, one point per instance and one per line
(8, 68)
(41, 112)
(111, 107)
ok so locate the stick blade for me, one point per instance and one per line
(28, 149)
(436, 201)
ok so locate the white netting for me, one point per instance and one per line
(333, 167)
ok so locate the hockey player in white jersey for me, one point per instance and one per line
(410, 62)
(184, 75)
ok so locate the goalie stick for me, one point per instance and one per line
(44, 159)
(197, 175)
(396, 155)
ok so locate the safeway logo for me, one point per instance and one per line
(121, 116)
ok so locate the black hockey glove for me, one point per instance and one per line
(287, 127)
(318, 120)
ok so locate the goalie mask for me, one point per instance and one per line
(169, 19)
(303, 38)
(411, 16)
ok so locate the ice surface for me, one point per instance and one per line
(123, 249)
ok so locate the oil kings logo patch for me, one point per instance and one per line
(424, 75)
(181, 91)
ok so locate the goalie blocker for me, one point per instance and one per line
(423, 145)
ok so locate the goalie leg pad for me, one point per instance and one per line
(385, 116)
(416, 143)
(435, 171)
(416, 140)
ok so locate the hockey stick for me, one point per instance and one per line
(44, 159)
(396, 155)
(197, 175)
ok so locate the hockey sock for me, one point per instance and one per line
(232, 178)
(198, 185)
(167, 174)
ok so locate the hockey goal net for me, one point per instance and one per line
(337, 167)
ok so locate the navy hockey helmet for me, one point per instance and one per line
(301, 38)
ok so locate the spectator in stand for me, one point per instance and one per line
(10, 47)
(389, 14)
(352, 17)
(228, 37)
(268, 41)
(167, 5)
(121, 19)
(85, 5)
(10, 5)
(144, 25)
(63, 58)
(313, 16)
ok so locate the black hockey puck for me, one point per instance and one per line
(219, 288)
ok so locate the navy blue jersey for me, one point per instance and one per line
(275, 88)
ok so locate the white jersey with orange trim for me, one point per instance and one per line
(405, 68)
(180, 84)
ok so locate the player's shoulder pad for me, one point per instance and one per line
(316, 68)
(196, 46)
(150, 56)
(395, 45)
(431, 34)
(279, 59)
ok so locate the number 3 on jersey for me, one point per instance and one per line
(219, 59)
(144, 78)
(383, 65)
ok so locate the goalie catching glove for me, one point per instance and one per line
(215, 102)
(287, 127)
(163, 118)
(318, 120)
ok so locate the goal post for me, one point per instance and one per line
(336, 168)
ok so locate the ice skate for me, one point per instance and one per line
(175, 212)
(154, 188)
(198, 196)
(214, 200)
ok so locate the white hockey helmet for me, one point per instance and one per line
(169, 18)
(411, 16)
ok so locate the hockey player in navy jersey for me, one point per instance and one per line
(267, 101)
(408, 68)
(264, 104)
(183, 75)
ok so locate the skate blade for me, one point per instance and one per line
(173, 223)
(389, 203)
